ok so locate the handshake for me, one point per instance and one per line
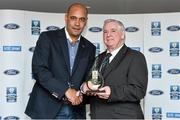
(75, 97)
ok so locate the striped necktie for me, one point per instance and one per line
(105, 63)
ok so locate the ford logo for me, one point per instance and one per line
(11, 26)
(52, 28)
(95, 29)
(173, 71)
(31, 49)
(11, 72)
(156, 92)
(132, 29)
(173, 28)
(155, 49)
(136, 48)
(11, 118)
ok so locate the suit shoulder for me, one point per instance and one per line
(52, 35)
(51, 32)
(135, 52)
(89, 43)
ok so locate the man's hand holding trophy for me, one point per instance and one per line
(94, 81)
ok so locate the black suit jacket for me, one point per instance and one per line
(51, 70)
(127, 77)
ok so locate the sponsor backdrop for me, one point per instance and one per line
(155, 35)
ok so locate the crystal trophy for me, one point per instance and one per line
(95, 79)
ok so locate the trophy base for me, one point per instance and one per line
(94, 91)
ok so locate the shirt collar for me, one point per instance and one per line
(115, 51)
(69, 38)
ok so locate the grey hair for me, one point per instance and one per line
(121, 25)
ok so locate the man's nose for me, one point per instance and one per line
(77, 22)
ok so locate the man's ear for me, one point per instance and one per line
(65, 18)
(123, 35)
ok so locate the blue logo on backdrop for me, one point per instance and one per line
(155, 28)
(11, 118)
(11, 72)
(12, 48)
(35, 27)
(11, 26)
(157, 113)
(156, 71)
(173, 28)
(173, 71)
(132, 29)
(156, 92)
(175, 92)
(11, 94)
(172, 115)
(31, 49)
(174, 49)
(155, 49)
(95, 29)
(136, 48)
(49, 28)
(97, 48)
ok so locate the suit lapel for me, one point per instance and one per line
(81, 49)
(116, 61)
(64, 47)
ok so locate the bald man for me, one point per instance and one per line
(61, 60)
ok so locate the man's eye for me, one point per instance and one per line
(82, 19)
(104, 31)
(73, 18)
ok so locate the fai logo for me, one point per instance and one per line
(175, 92)
(155, 28)
(11, 94)
(157, 113)
(174, 49)
(156, 71)
(35, 27)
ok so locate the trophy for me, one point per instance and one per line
(95, 79)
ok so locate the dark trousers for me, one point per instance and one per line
(68, 111)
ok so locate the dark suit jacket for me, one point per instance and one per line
(51, 70)
(127, 77)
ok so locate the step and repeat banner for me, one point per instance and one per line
(155, 35)
(161, 48)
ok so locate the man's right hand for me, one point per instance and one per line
(74, 96)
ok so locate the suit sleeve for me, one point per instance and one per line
(136, 82)
(41, 70)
